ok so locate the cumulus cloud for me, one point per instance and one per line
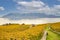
(32, 4)
(38, 7)
(2, 8)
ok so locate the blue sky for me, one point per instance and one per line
(49, 7)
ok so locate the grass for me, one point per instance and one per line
(53, 36)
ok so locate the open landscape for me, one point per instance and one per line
(49, 31)
(29, 19)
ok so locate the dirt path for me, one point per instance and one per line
(44, 35)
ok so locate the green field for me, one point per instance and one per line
(53, 36)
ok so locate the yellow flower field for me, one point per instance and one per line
(10, 33)
(56, 26)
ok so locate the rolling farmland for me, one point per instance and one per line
(28, 32)
(21, 32)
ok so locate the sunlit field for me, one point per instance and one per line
(29, 19)
(21, 32)
(13, 27)
(29, 31)
(56, 27)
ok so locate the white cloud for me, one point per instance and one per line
(32, 4)
(2, 8)
(30, 21)
(56, 9)
(58, 0)
(38, 7)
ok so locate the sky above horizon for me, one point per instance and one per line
(49, 7)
